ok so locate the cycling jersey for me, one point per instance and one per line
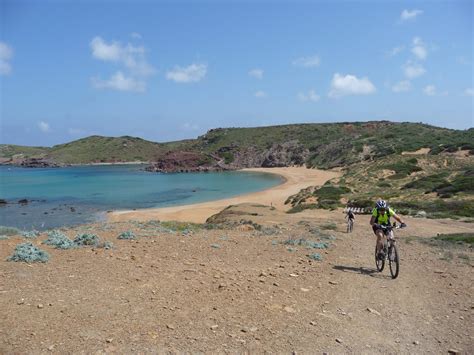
(382, 218)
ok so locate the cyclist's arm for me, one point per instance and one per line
(398, 218)
(372, 221)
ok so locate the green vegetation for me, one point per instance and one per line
(328, 144)
(28, 253)
(329, 226)
(403, 168)
(458, 238)
(59, 240)
(86, 239)
(428, 183)
(437, 208)
(9, 230)
(127, 235)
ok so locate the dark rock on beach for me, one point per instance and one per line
(32, 163)
(186, 162)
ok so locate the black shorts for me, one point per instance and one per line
(375, 229)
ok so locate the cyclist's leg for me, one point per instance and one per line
(380, 236)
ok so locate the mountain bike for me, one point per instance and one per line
(390, 251)
(350, 225)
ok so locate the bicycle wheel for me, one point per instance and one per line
(380, 263)
(393, 261)
(349, 226)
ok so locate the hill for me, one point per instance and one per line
(325, 145)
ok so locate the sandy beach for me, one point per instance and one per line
(296, 178)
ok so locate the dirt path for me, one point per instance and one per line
(240, 290)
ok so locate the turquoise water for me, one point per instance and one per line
(72, 195)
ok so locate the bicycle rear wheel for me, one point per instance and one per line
(393, 261)
(379, 263)
(349, 226)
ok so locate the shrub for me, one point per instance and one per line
(427, 183)
(9, 230)
(30, 234)
(59, 240)
(316, 257)
(126, 235)
(329, 226)
(403, 168)
(29, 253)
(467, 238)
(86, 239)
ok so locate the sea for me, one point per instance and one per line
(68, 196)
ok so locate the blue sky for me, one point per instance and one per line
(172, 70)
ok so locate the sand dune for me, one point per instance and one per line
(296, 178)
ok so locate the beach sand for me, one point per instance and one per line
(296, 178)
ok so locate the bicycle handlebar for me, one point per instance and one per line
(389, 227)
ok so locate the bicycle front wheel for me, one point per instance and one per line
(393, 261)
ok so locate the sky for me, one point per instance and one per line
(170, 70)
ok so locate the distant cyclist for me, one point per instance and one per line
(381, 216)
(350, 216)
(350, 220)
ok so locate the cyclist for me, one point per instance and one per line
(350, 215)
(350, 220)
(381, 216)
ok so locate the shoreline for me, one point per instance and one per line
(294, 179)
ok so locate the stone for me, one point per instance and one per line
(373, 311)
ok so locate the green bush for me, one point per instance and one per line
(30, 234)
(127, 235)
(427, 183)
(467, 238)
(28, 253)
(9, 230)
(59, 240)
(403, 168)
(86, 239)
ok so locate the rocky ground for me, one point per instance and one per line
(245, 287)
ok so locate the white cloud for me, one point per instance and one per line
(189, 74)
(429, 90)
(104, 51)
(6, 53)
(419, 49)
(404, 85)
(307, 62)
(394, 51)
(410, 14)
(469, 92)
(131, 58)
(256, 73)
(44, 127)
(310, 96)
(119, 82)
(350, 85)
(136, 35)
(260, 94)
(413, 70)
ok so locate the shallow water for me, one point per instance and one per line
(73, 195)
